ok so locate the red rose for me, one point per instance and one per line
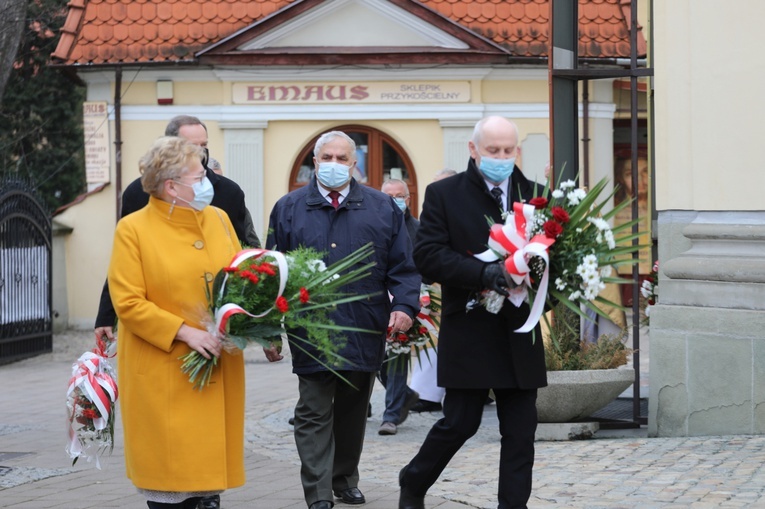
(230, 269)
(282, 305)
(402, 337)
(304, 296)
(89, 413)
(560, 215)
(422, 331)
(539, 202)
(267, 268)
(552, 229)
(249, 275)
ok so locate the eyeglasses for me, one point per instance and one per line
(197, 178)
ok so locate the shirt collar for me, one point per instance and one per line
(343, 192)
(502, 185)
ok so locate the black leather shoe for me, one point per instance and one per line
(408, 501)
(321, 504)
(291, 421)
(424, 405)
(212, 502)
(351, 496)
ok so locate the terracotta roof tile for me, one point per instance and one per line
(135, 31)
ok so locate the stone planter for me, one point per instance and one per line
(575, 395)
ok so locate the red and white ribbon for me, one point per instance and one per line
(228, 310)
(512, 241)
(427, 321)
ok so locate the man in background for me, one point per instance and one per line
(399, 397)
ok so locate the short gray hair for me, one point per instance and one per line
(396, 181)
(329, 136)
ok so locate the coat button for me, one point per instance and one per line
(208, 276)
(333, 245)
(199, 244)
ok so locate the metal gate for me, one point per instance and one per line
(26, 324)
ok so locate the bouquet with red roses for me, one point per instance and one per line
(422, 333)
(91, 404)
(263, 294)
(560, 249)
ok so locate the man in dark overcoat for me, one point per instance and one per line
(336, 215)
(478, 350)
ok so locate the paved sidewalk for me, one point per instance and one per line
(629, 472)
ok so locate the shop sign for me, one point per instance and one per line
(95, 117)
(351, 93)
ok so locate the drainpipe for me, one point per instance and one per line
(118, 139)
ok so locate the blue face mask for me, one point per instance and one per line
(496, 170)
(333, 175)
(203, 193)
(401, 202)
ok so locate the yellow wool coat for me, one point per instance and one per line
(176, 438)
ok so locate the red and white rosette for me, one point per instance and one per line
(228, 310)
(513, 241)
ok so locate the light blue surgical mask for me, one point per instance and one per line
(401, 202)
(496, 170)
(333, 175)
(203, 193)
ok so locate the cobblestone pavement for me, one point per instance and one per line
(630, 471)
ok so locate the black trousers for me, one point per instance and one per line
(330, 420)
(463, 409)
(189, 503)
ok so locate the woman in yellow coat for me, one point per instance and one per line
(180, 444)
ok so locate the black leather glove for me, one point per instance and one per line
(493, 278)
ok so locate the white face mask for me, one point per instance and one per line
(333, 175)
(203, 193)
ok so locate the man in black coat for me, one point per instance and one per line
(477, 350)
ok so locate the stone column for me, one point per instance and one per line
(707, 367)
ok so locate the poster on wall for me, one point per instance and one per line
(95, 115)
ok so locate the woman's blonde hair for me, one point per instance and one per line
(168, 158)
